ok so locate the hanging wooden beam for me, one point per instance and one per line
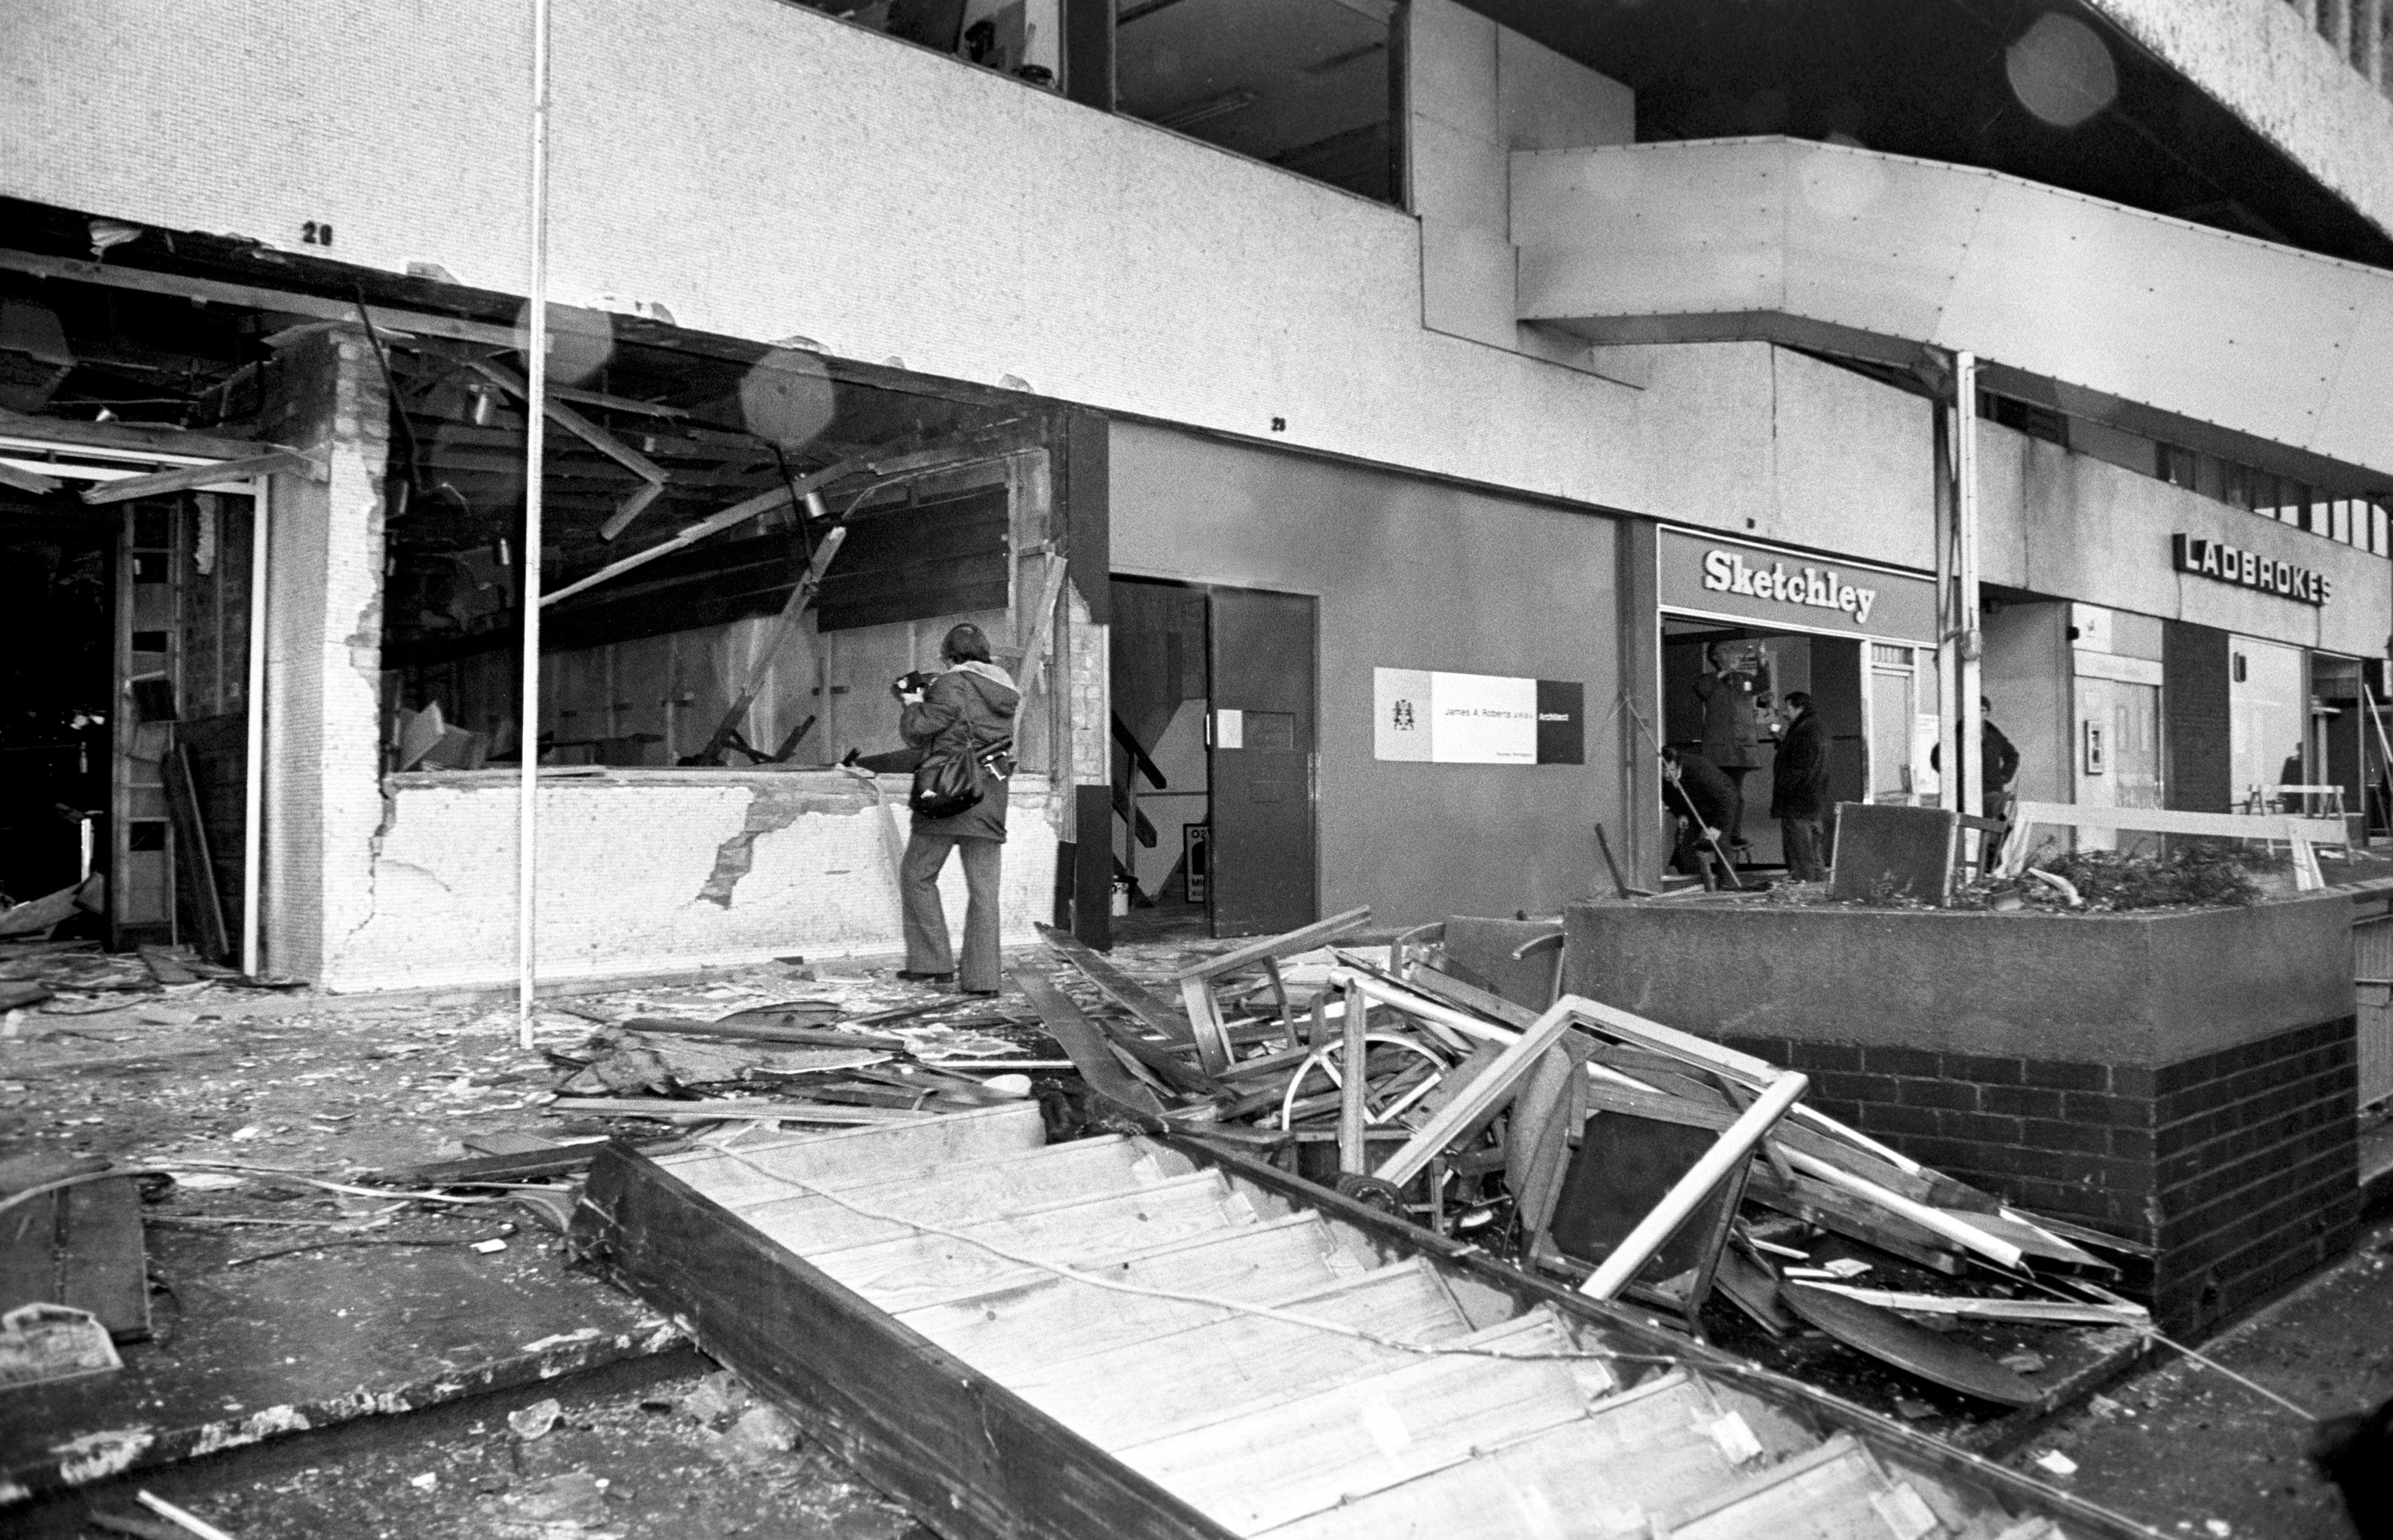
(631, 508)
(575, 424)
(182, 478)
(209, 291)
(786, 623)
(28, 481)
(739, 512)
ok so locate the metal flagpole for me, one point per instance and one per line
(528, 558)
(1968, 793)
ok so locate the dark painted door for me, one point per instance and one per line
(1262, 746)
(1837, 697)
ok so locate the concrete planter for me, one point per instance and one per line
(2183, 1078)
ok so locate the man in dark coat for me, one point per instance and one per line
(1731, 688)
(964, 710)
(1999, 762)
(1701, 800)
(1798, 790)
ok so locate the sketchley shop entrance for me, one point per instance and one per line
(1745, 627)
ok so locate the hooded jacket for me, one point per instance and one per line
(966, 708)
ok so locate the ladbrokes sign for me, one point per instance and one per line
(2231, 564)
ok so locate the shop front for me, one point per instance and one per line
(1744, 626)
(1335, 686)
(2146, 645)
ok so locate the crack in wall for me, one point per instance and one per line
(770, 808)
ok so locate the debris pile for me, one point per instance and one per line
(1592, 1146)
(822, 1061)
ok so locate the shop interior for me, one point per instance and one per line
(1162, 797)
(1878, 701)
(688, 499)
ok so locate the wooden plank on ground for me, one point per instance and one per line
(1118, 987)
(733, 1109)
(1653, 1445)
(897, 1275)
(905, 1415)
(928, 1147)
(809, 1036)
(195, 868)
(79, 1246)
(1167, 1383)
(1004, 1332)
(1091, 1051)
(1826, 1492)
(1321, 933)
(963, 1195)
(1277, 1464)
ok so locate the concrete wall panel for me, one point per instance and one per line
(2078, 527)
(764, 170)
(1409, 575)
(1892, 252)
(1550, 102)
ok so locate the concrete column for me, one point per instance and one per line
(1638, 842)
(2368, 42)
(323, 734)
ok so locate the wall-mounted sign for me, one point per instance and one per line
(1735, 577)
(2232, 564)
(1478, 718)
(2097, 762)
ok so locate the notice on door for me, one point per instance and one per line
(1478, 718)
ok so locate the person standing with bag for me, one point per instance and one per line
(958, 718)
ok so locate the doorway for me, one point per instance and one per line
(1867, 695)
(57, 656)
(1214, 733)
(123, 732)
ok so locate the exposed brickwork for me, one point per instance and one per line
(2239, 1164)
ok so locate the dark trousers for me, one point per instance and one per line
(927, 917)
(1734, 833)
(1803, 838)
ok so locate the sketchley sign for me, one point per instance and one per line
(1738, 578)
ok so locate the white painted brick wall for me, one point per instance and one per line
(622, 861)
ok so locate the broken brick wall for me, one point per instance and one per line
(657, 871)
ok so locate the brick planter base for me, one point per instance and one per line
(2184, 1081)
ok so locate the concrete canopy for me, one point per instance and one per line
(2179, 330)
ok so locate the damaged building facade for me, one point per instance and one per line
(1353, 421)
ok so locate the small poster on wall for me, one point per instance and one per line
(1478, 718)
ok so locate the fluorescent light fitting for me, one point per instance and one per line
(1206, 112)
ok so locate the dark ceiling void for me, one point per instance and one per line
(1306, 84)
(723, 421)
(1929, 78)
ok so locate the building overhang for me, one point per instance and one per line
(2257, 351)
